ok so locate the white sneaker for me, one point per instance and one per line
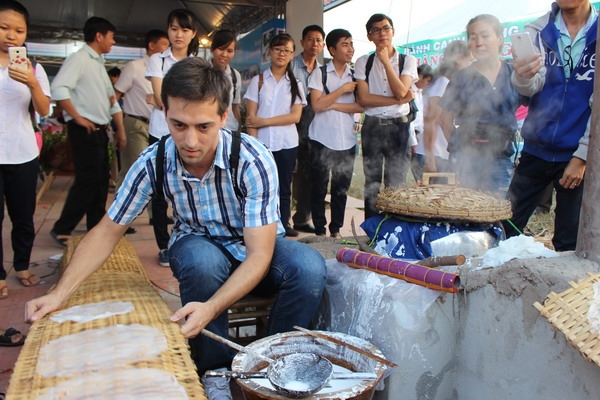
(217, 388)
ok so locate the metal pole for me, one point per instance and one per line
(588, 239)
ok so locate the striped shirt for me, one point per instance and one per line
(209, 206)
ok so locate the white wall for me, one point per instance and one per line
(301, 13)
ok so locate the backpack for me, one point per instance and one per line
(234, 81)
(412, 113)
(234, 159)
(324, 77)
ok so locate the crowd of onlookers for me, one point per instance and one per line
(175, 117)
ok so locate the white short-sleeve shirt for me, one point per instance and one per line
(17, 139)
(134, 83)
(275, 99)
(333, 129)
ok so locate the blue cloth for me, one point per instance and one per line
(297, 275)
(411, 240)
(208, 206)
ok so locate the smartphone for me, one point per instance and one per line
(18, 57)
(522, 45)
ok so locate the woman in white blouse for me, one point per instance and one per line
(274, 102)
(19, 165)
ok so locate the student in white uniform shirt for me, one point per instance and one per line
(182, 28)
(331, 133)
(19, 165)
(274, 103)
(223, 48)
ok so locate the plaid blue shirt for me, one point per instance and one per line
(208, 206)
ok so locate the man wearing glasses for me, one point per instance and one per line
(383, 88)
(560, 82)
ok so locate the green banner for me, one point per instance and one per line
(430, 51)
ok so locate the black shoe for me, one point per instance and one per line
(305, 227)
(290, 232)
(130, 231)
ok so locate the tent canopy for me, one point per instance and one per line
(57, 21)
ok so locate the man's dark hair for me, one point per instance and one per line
(335, 36)
(17, 7)
(312, 28)
(425, 71)
(195, 79)
(377, 18)
(96, 25)
(114, 72)
(154, 36)
(222, 38)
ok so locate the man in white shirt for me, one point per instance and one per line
(134, 88)
(385, 93)
(84, 91)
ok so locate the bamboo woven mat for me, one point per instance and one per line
(443, 202)
(113, 282)
(567, 312)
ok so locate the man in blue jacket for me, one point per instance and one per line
(560, 83)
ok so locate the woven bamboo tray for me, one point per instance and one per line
(125, 284)
(567, 312)
(443, 202)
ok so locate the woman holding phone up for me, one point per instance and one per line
(19, 166)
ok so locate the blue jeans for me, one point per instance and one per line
(527, 187)
(296, 277)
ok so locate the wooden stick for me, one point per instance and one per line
(234, 345)
(347, 345)
(442, 260)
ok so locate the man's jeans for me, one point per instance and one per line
(527, 187)
(296, 277)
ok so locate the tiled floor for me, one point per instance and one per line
(45, 264)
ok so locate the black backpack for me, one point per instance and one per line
(234, 159)
(412, 113)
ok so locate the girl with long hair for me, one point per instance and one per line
(23, 90)
(274, 102)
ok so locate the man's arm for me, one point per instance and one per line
(120, 137)
(399, 84)
(260, 244)
(368, 99)
(88, 257)
(529, 75)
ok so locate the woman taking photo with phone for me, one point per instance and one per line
(20, 89)
(274, 102)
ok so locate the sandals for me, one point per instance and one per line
(6, 339)
(61, 241)
(30, 281)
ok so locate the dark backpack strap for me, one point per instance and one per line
(234, 160)
(160, 167)
(324, 78)
(369, 66)
(34, 123)
(234, 81)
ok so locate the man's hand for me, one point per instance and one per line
(86, 123)
(120, 138)
(349, 87)
(382, 54)
(573, 175)
(529, 66)
(196, 316)
(38, 308)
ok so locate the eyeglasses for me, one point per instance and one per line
(280, 50)
(568, 58)
(384, 29)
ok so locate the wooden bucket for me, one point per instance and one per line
(342, 358)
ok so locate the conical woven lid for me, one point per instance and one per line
(444, 202)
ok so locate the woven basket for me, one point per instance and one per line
(443, 202)
(568, 311)
(121, 278)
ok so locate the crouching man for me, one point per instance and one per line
(226, 242)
